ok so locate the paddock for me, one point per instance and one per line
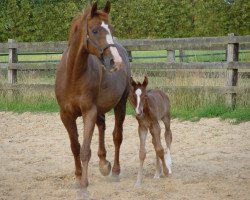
(211, 160)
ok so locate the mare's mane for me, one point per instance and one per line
(78, 23)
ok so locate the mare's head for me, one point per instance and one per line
(139, 95)
(97, 36)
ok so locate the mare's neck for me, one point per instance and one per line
(77, 56)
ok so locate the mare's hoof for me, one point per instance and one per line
(77, 184)
(105, 168)
(113, 178)
(83, 194)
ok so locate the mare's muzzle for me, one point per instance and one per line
(110, 58)
(106, 57)
(109, 63)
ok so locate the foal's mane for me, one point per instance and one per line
(79, 22)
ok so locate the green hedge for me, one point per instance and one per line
(49, 20)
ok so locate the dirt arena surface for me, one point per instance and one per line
(211, 160)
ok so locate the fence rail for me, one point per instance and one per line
(215, 89)
(231, 44)
(196, 43)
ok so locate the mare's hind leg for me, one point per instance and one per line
(155, 131)
(168, 139)
(120, 111)
(104, 165)
(70, 124)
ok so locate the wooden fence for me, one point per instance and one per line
(231, 44)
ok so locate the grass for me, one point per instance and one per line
(189, 107)
(28, 101)
(185, 105)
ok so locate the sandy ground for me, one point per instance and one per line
(211, 160)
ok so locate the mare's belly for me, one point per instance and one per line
(108, 99)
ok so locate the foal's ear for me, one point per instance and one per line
(132, 82)
(107, 7)
(94, 9)
(145, 82)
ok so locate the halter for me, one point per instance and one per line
(93, 43)
(100, 49)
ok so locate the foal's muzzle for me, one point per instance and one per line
(139, 115)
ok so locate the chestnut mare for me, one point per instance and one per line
(150, 107)
(92, 78)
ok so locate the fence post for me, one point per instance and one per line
(232, 74)
(181, 55)
(12, 73)
(170, 55)
(130, 55)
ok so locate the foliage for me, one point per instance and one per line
(49, 20)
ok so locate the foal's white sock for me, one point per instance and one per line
(168, 160)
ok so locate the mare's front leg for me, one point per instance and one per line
(142, 153)
(69, 122)
(89, 119)
(120, 111)
(104, 165)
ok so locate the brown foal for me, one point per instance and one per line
(150, 107)
(92, 78)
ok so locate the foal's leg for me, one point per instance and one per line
(120, 111)
(142, 153)
(158, 168)
(168, 139)
(155, 130)
(70, 124)
(104, 165)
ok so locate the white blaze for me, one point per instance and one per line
(109, 39)
(138, 94)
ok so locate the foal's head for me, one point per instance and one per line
(139, 95)
(98, 38)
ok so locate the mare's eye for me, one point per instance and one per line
(95, 31)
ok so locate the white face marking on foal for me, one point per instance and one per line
(109, 39)
(138, 97)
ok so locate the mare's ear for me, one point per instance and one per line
(146, 99)
(107, 7)
(145, 82)
(132, 82)
(94, 9)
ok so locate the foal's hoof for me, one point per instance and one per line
(157, 176)
(138, 184)
(105, 168)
